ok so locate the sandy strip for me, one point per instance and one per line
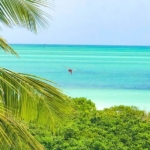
(104, 98)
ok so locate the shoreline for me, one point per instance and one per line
(105, 98)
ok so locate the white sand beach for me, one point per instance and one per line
(104, 98)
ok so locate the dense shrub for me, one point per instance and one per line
(115, 128)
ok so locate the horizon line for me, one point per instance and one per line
(73, 44)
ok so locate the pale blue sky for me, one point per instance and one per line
(100, 22)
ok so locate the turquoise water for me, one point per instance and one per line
(108, 75)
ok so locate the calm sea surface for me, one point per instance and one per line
(108, 75)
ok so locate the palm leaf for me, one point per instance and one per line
(6, 47)
(25, 13)
(13, 134)
(30, 98)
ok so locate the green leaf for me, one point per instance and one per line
(30, 98)
(14, 135)
(24, 13)
(6, 47)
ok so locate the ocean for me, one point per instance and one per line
(108, 75)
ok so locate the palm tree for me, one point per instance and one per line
(26, 98)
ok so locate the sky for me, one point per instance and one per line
(90, 22)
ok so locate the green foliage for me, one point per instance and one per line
(14, 135)
(115, 128)
(26, 98)
(22, 92)
(24, 13)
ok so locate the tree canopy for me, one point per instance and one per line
(118, 127)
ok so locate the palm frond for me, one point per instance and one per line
(25, 13)
(30, 98)
(14, 135)
(6, 47)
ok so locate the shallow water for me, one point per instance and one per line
(108, 75)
